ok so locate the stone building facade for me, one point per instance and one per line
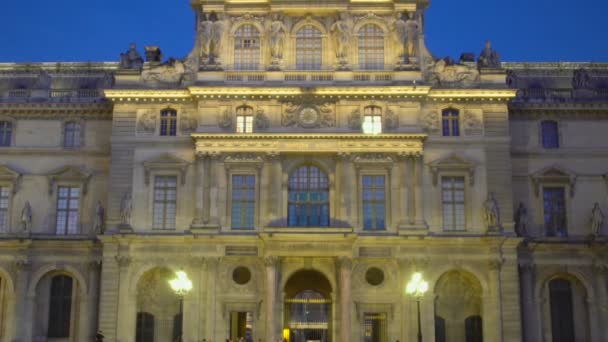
(300, 165)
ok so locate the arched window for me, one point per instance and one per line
(60, 307)
(450, 122)
(244, 119)
(372, 120)
(168, 123)
(562, 318)
(371, 47)
(550, 134)
(145, 327)
(71, 135)
(247, 48)
(308, 198)
(6, 131)
(308, 48)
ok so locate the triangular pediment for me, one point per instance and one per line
(69, 173)
(452, 160)
(452, 163)
(553, 174)
(165, 161)
(10, 175)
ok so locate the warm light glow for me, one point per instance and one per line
(181, 284)
(417, 287)
(286, 334)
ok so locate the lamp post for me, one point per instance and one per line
(181, 285)
(416, 288)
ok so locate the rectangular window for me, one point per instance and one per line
(374, 203)
(168, 123)
(4, 198)
(244, 124)
(165, 202)
(375, 327)
(372, 124)
(550, 134)
(6, 130)
(450, 123)
(452, 194)
(243, 202)
(68, 202)
(71, 135)
(554, 205)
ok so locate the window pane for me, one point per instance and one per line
(450, 123)
(554, 207)
(550, 134)
(67, 214)
(247, 48)
(371, 47)
(453, 203)
(165, 202)
(168, 122)
(373, 202)
(375, 327)
(308, 197)
(60, 307)
(243, 202)
(308, 48)
(5, 133)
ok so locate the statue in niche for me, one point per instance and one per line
(597, 220)
(491, 213)
(215, 34)
(26, 217)
(277, 34)
(99, 218)
(126, 208)
(411, 37)
(131, 59)
(204, 29)
(488, 58)
(341, 30)
(521, 220)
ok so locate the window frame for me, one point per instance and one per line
(364, 50)
(78, 228)
(558, 135)
(72, 301)
(464, 203)
(451, 119)
(80, 135)
(245, 173)
(373, 115)
(314, 43)
(564, 188)
(153, 189)
(13, 123)
(248, 61)
(247, 113)
(168, 117)
(5, 227)
(362, 176)
(321, 169)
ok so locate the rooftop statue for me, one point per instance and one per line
(489, 58)
(131, 59)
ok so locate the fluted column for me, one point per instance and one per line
(217, 178)
(88, 320)
(211, 265)
(272, 264)
(199, 190)
(345, 269)
(530, 323)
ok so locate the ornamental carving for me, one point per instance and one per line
(308, 116)
(430, 121)
(391, 120)
(146, 122)
(447, 74)
(188, 123)
(472, 121)
(224, 120)
(170, 72)
(354, 120)
(260, 120)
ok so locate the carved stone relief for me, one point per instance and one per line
(146, 123)
(188, 122)
(308, 116)
(430, 121)
(355, 120)
(472, 123)
(225, 120)
(442, 73)
(391, 120)
(261, 121)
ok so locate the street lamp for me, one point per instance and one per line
(416, 288)
(181, 285)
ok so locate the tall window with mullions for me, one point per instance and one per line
(60, 307)
(453, 203)
(165, 202)
(4, 198)
(308, 48)
(450, 121)
(371, 47)
(243, 202)
(554, 209)
(374, 203)
(168, 123)
(247, 48)
(375, 327)
(68, 202)
(308, 198)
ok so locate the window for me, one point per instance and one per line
(473, 329)
(244, 119)
(450, 122)
(371, 47)
(243, 201)
(165, 202)
(6, 131)
(4, 198)
(452, 193)
(168, 123)
(71, 135)
(68, 202)
(562, 318)
(375, 327)
(144, 332)
(554, 205)
(372, 120)
(373, 203)
(308, 198)
(440, 329)
(308, 48)
(247, 48)
(60, 307)
(550, 134)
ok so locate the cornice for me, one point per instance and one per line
(308, 136)
(102, 111)
(136, 94)
(497, 94)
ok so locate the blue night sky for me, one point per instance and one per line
(521, 30)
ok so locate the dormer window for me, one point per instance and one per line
(244, 119)
(372, 120)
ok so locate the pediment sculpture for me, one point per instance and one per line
(308, 116)
(447, 74)
(170, 72)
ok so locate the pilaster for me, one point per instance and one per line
(271, 265)
(345, 266)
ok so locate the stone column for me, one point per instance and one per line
(529, 305)
(275, 204)
(23, 303)
(493, 316)
(123, 328)
(211, 265)
(418, 203)
(411, 184)
(88, 320)
(344, 279)
(216, 178)
(347, 194)
(601, 279)
(199, 190)
(206, 189)
(192, 302)
(272, 264)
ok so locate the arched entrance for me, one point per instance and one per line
(308, 308)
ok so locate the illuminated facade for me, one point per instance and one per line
(300, 165)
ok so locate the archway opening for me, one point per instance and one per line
(57, 307)
(308, 307)
(158, 307)
(458, 308)
(565, 309)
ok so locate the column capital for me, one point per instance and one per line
(273, 156)
(271, 261)
(22, 264)
(123, 261)
(527, 266)
(344, 262)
